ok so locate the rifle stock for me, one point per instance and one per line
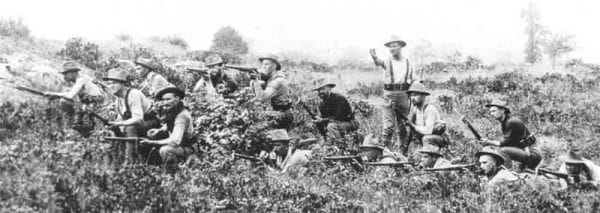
(451, 168)
(242, 68)
(123, 139)
(37, 92)
(473, 130)
(557, 174)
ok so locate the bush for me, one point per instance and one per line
(14, 28)
(86, 53)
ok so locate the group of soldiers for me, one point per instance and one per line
(167, 125)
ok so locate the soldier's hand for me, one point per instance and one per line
(263, 155)
(373, 53)
(153, 132)
(147, 141)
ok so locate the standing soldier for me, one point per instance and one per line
(275, 89)
(397, 77)
(153, 81)
(87, 92)
(492, 163)
(177, 125)
(133, 109)
(337, 117)
(431, 157)
(518, 143)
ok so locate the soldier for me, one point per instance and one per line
(398, 75)
(275, 89)
(431, 157)
(518, 143)
(153, 81)
(372, 151)
(177, 125)
(337, 117)
(225, 81)
(579, 170)
(84, 89)
(133, 109)
(423, 116)
(284, 155)
(492, 163)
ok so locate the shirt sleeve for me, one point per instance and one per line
(77, 87)
(136, 99)
(180, 125)
(159, 82)
(271, 90)
(431, 116)
(342, 109)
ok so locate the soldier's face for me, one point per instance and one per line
(395, 48)
(324, 92)
(371, 154)
(70, 76)
(427, 160)
(417, 98)
(496, 112)
(268, 66)
(573, 169)
(114, 86)
(487, 164)
(169, 100)
(141, 70)
(280, 149)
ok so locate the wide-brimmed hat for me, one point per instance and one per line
(572, 157)
(213, 60)
(371, 141)
(419, 88)
(395, 38)
(70, 66)
(499, 156)
(116, 74)
(430, 149)
(273, 58)
(498, 103)
(279, 135)
(174, 90)
(146, 62)
(435, 140)
(330, 85)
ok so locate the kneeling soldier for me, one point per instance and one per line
(177, 123)
(337, 117)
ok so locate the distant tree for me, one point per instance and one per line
(173, 40)
(14, 28)
(229, 41)
(534, 31)
(557, 45)
(422, 52)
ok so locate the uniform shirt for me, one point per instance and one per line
(425, 118)
(277, 90)
(83, 85)
(503, 176)
(399, 69)
(513, 131)
(336, 107)
(441, 163)
(138, 105)
(295, 158)
(182, 128)
(153, 83)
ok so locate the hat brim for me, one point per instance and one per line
(113, 79)
(213, 64)
(273, 60)
(401, 42)
(330, 85)
(418, 92)
(495, 155)
(71, 70)
(143, 65)
(174, 90)
(430, 152)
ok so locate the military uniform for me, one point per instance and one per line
(337, 114)
(277, 92)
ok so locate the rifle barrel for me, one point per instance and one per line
(123, 139)
(452, 167)
(390, 164)
(342, 157)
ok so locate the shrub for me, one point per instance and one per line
(14, 28)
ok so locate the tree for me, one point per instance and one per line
(422, 52)
(229, 41)
(535, 33)
(557, 45)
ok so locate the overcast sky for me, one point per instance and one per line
(488, 29)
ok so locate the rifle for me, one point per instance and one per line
(310, 113)
(124, 139)
(305, 142)
(114, 129)
(320, 126)
(202, 71)
(354, 160)
(242, 68)
(391, 164)
(557, 174)
(37, 92)
(236, 156)
(451, 167)
(473, 130)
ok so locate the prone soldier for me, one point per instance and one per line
(579, 171)
(285, 155)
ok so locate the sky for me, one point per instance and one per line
(492, 30)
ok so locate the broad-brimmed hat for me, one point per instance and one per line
(572, 157)
(418, 88)
(499, 156)
(279, 135)
(435, 140)
(178, 92)
(430, 149)
(116, 74)
(498, 103)
(273, 58)
(146, 62)
(371, 141)
(330, 85)
(213, 60)
(70, 66)
(395, 38)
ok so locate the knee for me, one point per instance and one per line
(165, 151)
